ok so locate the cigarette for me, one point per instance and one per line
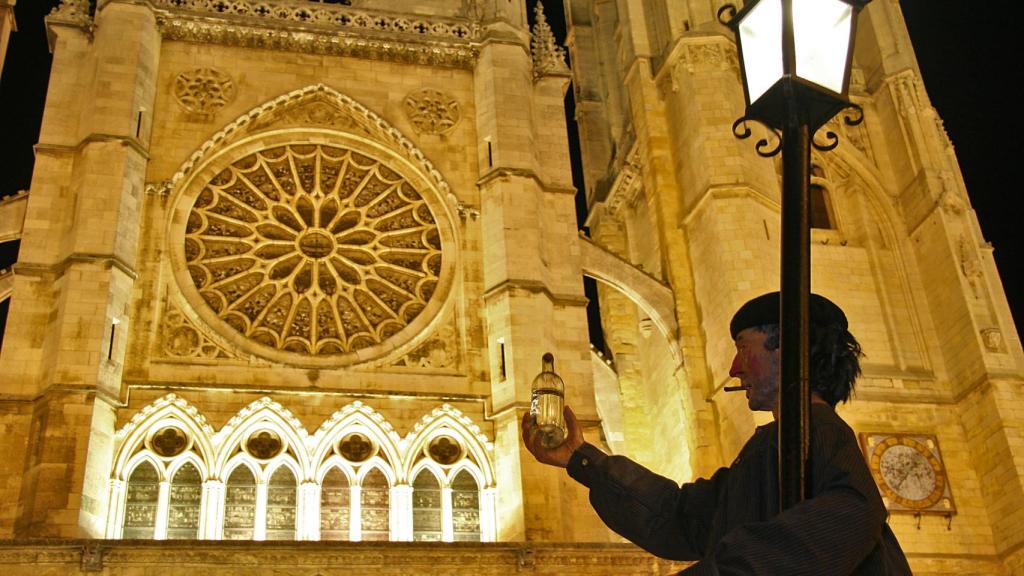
(734, 388)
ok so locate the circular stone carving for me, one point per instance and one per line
(264, 445)
(169, 441)
(314, 250)
(444, 450)
(355, 447)
(203, 90)
(432, 111)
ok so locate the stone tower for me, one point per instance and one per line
(895, 243)
(288, 269)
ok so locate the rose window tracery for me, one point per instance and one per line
(313, 249)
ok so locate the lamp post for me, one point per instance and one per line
(795, 60)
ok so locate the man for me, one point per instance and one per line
(729, 523)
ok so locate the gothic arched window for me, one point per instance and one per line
(281, 498)
(465, 508)
(335, 503)
(240, 504)
(426, 507)
(141, 502)
(374, 506)
(185, 502)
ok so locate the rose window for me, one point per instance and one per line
(313, 249)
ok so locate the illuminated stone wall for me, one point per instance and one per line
(672, 191)
(323, 240)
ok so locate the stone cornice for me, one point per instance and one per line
(321, 29)
(512, 285)
(381, 558)
(58, 268)
(507, 173)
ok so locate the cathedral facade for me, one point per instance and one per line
(288, 269)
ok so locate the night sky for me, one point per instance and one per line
(962, 47)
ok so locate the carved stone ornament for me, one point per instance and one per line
(548, 56)
(431, 111)
(321, 28)
(264, 444)
(72, 12)
(181, 339)
(993, 340)
(441, 351)
(971, 266)
(314, 250)
(169, 441)
(204, 90)
(701, 54)
(444, 450)
(355, 447)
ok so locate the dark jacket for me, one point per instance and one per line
(729, 522)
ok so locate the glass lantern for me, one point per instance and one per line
(546, 403)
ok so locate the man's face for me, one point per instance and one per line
(757, 369)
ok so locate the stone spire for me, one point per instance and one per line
(548, 56)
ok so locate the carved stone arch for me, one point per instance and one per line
(187, 457)
(335, 461)
(263, 413)
(377, 463)
(166, 410)
(470, 469)
(433, 467)
(241, 459)
(352, 417)
(286, 461)
(228, 278)
(317, 105)
(450, 420)
(653, 297)
(862, 178)
(145, 457)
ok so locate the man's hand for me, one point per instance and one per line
(559, 455)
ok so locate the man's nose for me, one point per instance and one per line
(735, 370)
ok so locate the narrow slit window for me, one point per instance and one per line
(821, 214)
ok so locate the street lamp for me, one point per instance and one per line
(795, 60)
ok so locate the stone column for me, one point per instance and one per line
(211, 524)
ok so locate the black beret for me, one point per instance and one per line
(765, 310)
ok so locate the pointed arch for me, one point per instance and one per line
(263, 413)
(447, 419)
(146, 456)
(167, 410)
(358, 117)
(357, 417)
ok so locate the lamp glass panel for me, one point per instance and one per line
(821, 36)
(760, 34)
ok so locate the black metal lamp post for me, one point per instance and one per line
(795, 59)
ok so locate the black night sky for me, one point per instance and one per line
(964, 50)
